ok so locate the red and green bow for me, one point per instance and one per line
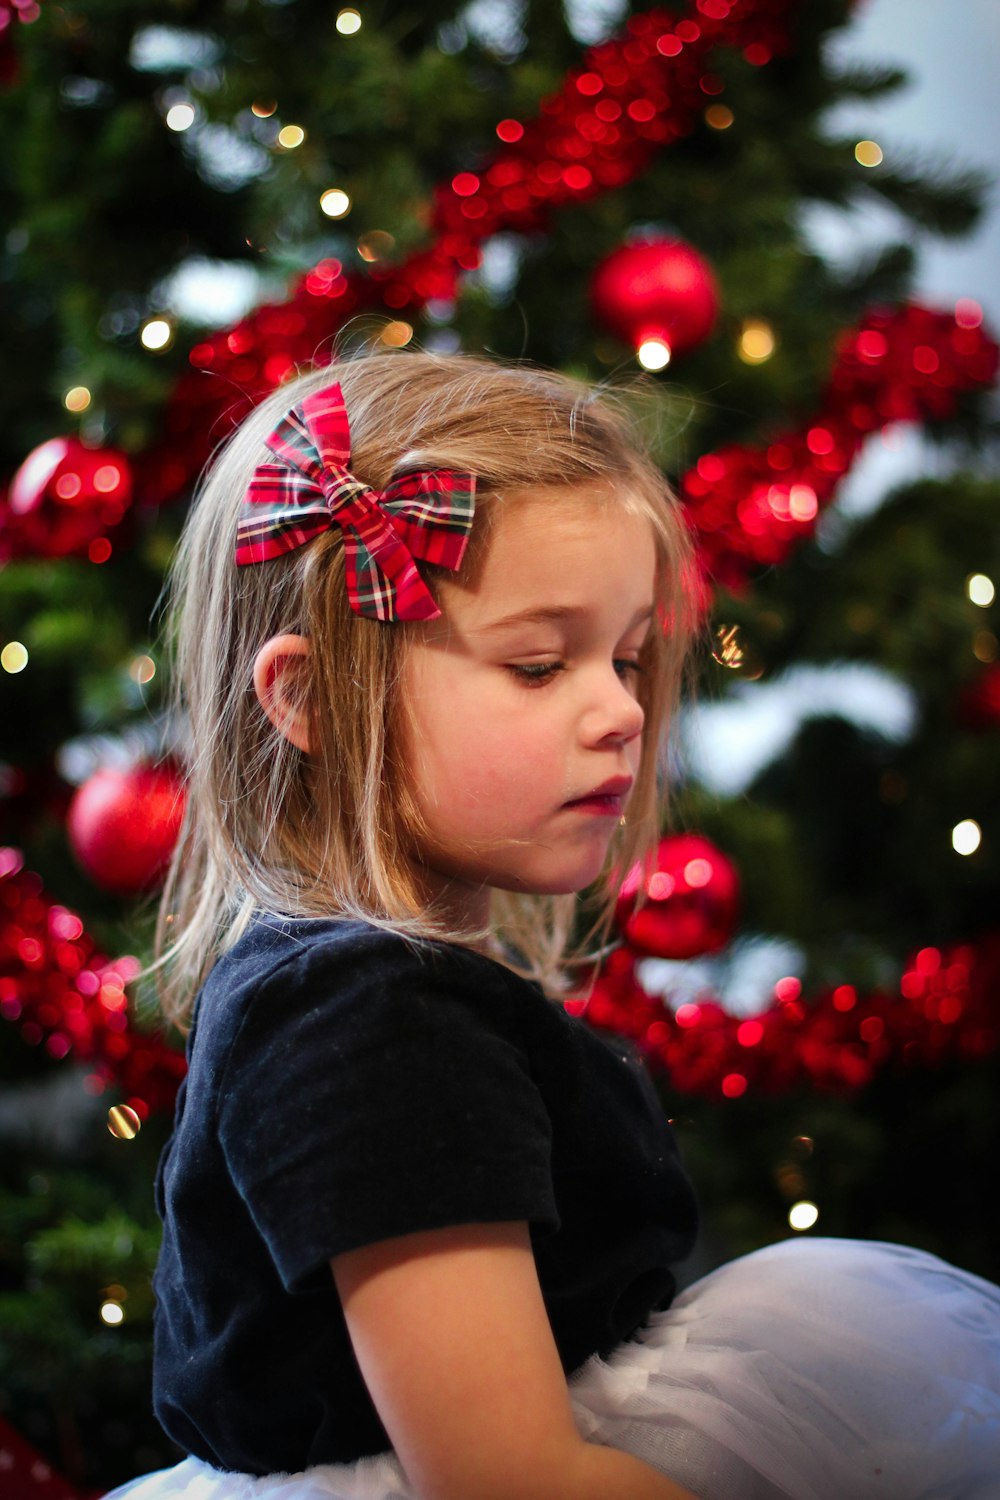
(425, 514)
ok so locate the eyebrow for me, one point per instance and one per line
(558, 614)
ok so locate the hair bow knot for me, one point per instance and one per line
(425, 514)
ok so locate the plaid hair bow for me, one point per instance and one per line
(425, 514)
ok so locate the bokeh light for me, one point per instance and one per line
(180, 117)
(156, 334)
(335, 203)
(396, 334)
(123, 1122)
(980, 589)
(142, 669)
(868, 153)
(14, 657)
(756, 342)
(376, 245)
(77, 398)
(966, 836)
(653, 354)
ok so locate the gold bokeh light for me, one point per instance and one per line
(868, 153)
(396, 334)
(756, 343)
(77, 398)
(14, 657)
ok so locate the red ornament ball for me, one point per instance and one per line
(690, 900)
(123, 825)
(63, 500)
(656, 289)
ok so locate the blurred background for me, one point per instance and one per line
(781, 218)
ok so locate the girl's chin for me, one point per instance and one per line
(568, 883)
(467, 884)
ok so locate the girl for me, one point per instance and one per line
(432, 618)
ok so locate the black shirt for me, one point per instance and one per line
(345, 1086)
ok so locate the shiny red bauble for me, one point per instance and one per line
(123, 824)
(690, 900)
(64, 499)
(656, 289)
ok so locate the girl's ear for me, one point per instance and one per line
(279, 680)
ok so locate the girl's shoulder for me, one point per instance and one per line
(351, 984)
(349, 952)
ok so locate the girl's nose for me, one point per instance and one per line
(615, 716)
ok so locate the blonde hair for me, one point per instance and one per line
(331, 833)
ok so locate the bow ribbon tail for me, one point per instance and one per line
(382, 578)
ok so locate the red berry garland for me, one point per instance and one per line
(66, 997)
(750, 506)
(946, 1008)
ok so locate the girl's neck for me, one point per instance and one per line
(460, 907)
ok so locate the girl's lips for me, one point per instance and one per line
(607, 805)
(607, 800)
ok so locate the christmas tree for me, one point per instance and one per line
(200, 196)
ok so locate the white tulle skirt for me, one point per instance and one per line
(816, 1369)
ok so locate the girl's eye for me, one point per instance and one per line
(626, 667)
(535, 671)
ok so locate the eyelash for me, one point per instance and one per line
(538, 673)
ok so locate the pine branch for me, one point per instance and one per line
(941, 196)
(867, 81)
(880, 275)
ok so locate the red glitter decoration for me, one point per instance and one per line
(690, 902)
(123, 824)
(656, 289)
(63, 501)
(65, 997)
(945, 1009)
(751, 505)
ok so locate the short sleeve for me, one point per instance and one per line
(375, 1089)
